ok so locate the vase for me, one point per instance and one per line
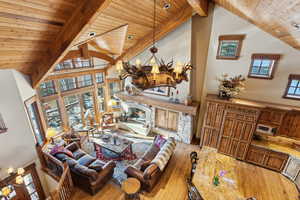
(224, 95)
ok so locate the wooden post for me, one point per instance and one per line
(61, 107)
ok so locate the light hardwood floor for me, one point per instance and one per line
(264, 183)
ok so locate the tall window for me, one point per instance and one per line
(67, 84)
(263, 65)
(84, 81)
(52, 114)
(64, 65)
(35, 120)
(100, 77)
(293, 88)
(114, 87)
(88, 107)
(101, 99)
(72, 104)
(47, 88)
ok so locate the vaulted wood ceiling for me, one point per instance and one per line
(29, 28)
(273, 16)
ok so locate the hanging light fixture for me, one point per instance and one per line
(155, 72)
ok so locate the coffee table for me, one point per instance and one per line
(119, 146)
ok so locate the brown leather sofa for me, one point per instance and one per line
(146, 172)
(88, 173)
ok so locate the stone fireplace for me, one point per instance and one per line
(143, 114)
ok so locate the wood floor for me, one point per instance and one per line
(270, 185)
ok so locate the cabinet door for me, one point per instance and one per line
(214, 114)
(292, 168)
(225, 140)
(172, 121)
(161, 118)
(276, 161)
(210, 137)
(256, 155)
(291, 125)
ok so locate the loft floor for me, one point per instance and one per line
(272, 185)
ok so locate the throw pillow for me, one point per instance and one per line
(56, 149)
(159, 141)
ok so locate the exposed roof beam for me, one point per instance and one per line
(84, 51)
(78, 53)
(98, 48)
(82, 17)
(200, 6)
(161, 31)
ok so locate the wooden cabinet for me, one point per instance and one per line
(266, 158)
(291, 125)
(237, 131)
(292, 168)
(166, 119)
(212, 123)
(271, 116)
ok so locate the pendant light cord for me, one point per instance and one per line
(154, 18)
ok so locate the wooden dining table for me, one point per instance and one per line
(239, 180)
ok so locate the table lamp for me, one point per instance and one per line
(51, 132)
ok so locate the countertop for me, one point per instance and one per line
(251, 103)
(276, 147)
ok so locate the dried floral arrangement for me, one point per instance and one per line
(231, 86)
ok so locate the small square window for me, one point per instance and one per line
(293, 87)
(230, 46)
(263, 65)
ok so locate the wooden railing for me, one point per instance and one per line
(50, 164)
(65, 187)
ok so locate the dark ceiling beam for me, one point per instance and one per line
(200, 6)
(81, 19)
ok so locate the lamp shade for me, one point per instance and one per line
(19, 179)
(51, 132)
(5, 191)
(21, 171)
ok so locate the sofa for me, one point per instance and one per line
(150, 167)
(88, 173)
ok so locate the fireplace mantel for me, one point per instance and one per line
(191, 110)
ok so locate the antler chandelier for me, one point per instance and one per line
(155, 72)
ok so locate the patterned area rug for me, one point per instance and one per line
(138, 147)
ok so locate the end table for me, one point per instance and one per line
(131, 187)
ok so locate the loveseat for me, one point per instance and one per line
(150, 167)
(88, 173)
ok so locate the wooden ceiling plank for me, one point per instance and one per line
(78, 23)
(200, 6)
(161, 31)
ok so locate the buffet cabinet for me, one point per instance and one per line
(267, 158)
(229, 128)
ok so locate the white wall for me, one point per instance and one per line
(17, 145)
(256, 41)
(177, 46)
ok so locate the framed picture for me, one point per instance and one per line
(163, 91)
(230, 46)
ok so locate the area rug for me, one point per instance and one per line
(138, 147)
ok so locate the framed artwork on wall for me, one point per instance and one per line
(230, 47)
(3, 127)
(163, 91)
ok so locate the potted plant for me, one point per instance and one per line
(230, 86)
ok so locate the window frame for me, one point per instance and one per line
(291, 78)
(258, 56)
(238, 38)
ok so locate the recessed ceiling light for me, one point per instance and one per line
(166, 6)
(296, 26)
(130, 37)
(92, 34)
